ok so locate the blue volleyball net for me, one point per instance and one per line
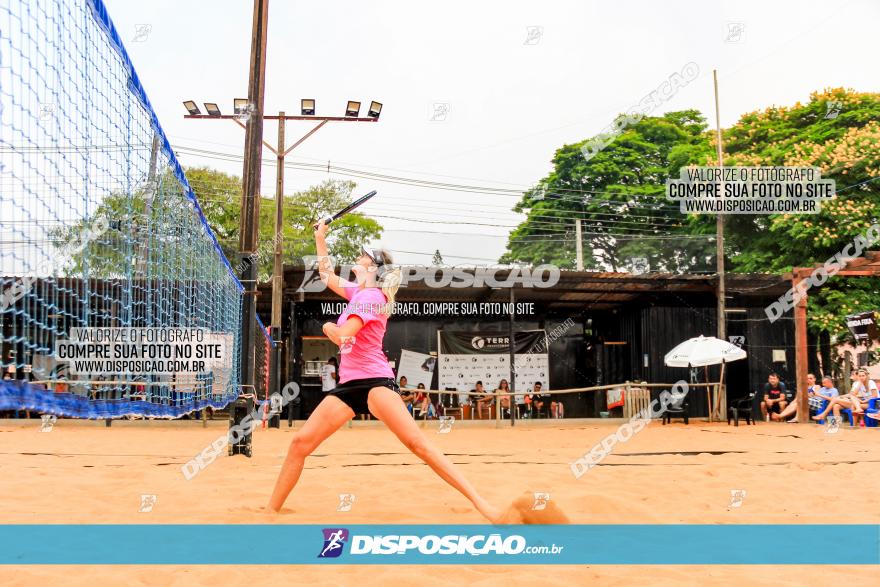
(99, 226)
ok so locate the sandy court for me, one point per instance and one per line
(82, 472)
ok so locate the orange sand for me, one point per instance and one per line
(81, 472)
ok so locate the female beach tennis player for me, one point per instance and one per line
(366, 381)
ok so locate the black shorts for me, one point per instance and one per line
(354, 393)
(775, 408)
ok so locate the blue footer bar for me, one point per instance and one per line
(685, 544)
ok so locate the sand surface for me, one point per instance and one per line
(82, 472)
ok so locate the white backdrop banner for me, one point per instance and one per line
(417, 367)
(461, 370)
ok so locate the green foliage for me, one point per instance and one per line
(303, 209)
(146, 234)
(838, 131)
(827, 310)
(847, 149)
(220, 195)
(619, 193)
(147, 227)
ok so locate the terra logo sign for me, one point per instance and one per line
(479, 342)
(334, 541)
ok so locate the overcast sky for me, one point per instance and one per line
(515, 92)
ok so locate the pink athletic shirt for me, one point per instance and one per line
(366, 359)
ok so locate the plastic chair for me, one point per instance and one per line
(843, 411)
(452, 407)
(742, 406)
(872, 409)
(544, 410)
(481, 408)
(677, 409)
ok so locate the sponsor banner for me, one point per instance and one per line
(468, 357)
(461, 372)
(863, 326)
(417, 368)
(256, 544)
(488, 343)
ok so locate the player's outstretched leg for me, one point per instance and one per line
(385, 404)
(327, 418)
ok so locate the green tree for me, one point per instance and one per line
(619, 193)
(151, 229)
(148, 234)
(219, 195)
(837, 131)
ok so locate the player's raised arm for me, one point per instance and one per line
(325, 265)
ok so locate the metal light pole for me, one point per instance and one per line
(280, 151)
(248, 250)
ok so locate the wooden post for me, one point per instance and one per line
(274, 354)
(800, 353)
(512, 352)
(277, 270)
(708, 394)
(719, 224)
(718, 408)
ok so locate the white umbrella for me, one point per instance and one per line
(703, 351)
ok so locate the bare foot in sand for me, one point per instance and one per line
(522, 511)
(490, 512)
(268, 510)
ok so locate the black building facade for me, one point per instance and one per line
(608, 328)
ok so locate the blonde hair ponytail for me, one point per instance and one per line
(389, 282)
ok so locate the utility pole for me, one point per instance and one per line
(716, 408)
(579, 245)
(719, 222)
(277, 269)
(250, 218)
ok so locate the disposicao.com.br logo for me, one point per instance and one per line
(431, 544)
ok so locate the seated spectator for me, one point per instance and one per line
(774, 396)
(863, 389)
(856, 400)
(503, 400)
(423, 402)
(484, 401)
(539, 403)
(791, 408)
(406, 394)
(826, 392)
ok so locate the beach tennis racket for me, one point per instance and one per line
(347, 209)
